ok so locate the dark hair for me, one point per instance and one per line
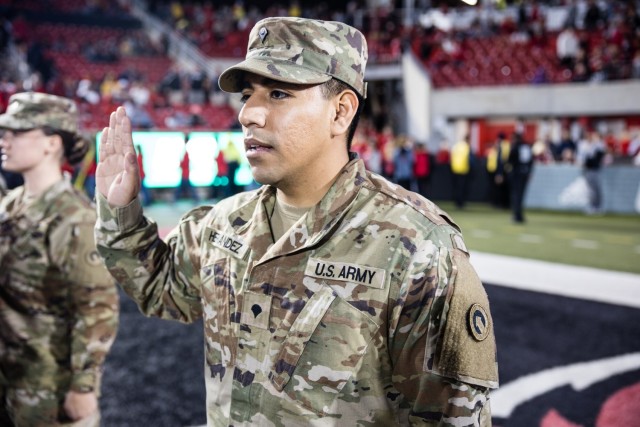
(74, 145)
(332, 88)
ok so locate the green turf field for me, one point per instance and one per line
(609, 242)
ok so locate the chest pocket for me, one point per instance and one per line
(322, 350)
(24, 263)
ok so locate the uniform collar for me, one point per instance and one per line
(39, 208)
(251, 220)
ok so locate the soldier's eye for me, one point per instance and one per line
(278, 94)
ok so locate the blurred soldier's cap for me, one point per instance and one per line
(302, 51)
(32, 110)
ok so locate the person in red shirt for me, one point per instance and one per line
(422, 168)
(185, 184)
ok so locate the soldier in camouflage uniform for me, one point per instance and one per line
(329, 296)
(58, 303)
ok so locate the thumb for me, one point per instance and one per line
(131, 162)
(131, 168)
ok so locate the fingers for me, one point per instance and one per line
(120, 131)
(105, 148)
(126, 135)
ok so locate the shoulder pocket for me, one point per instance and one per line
(467, 350)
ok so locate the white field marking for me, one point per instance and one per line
(558, 279)
(530, 238)
(584, 244)
(482, 234)
(579, 376)
(637, 248)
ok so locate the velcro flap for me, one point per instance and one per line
(467, 351)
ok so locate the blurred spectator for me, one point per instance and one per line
(108, 86)
(636, 157)
(593, 17)
(185, 186)
(40, 62)
(374, 157)
(422, 168)
(86, 92)
(497, 158)
(542, 150)
(5, 33)
(105, 51)
(182, 119)
(566, 151)
(443, 155)
(633, 150)
(591, 153)
(519, 169)
(403, 161)
(139, 93)
(197, 86)
(232, 158)
(360, 145)
(635, 65)
(540, 76)
(171, 86)
(580, 73)
(386, 140)
(567, 46)
(461, 163)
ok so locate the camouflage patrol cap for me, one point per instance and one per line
(31, 110)
(302, 51)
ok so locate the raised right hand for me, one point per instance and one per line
(117, 174)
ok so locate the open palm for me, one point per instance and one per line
(117, 174)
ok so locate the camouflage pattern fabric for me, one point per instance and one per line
(31, 110)
(302, 51)
(366, 312)
(58, 303)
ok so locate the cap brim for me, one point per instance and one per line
(9, 121)
(232, 79)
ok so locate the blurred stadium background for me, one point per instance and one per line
(564, 286)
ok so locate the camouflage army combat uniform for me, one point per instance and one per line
(367, 312)
(58, 305)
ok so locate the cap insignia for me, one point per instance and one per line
(263, 34)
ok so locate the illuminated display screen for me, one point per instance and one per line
(162, 153)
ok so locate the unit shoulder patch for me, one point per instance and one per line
(479, 324)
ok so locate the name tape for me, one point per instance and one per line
(345, 272)
(232, 244)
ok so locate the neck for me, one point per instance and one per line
(37, 180)
(307, 191)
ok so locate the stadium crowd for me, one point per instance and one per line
(102, 67)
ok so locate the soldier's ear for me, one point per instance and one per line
(346, 107)
(54, 145)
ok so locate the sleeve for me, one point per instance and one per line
(94, 306)
(162, 277)
(442, 340)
